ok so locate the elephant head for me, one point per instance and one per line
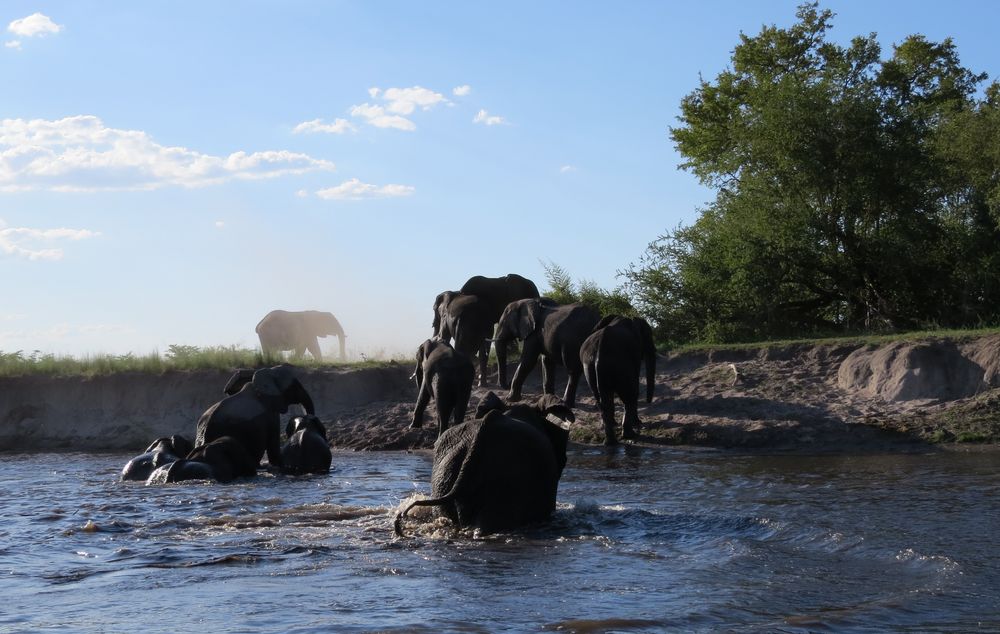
(307, 449)
(502, 470)
(440, 323)
(277, 387)
(307, 423)
(324, 324)
(161, 451)
(519, 320)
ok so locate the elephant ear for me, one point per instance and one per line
(527, 318)
(487, 404)
(270, 385)
(237, 381)
(555, 411)
(604, 322)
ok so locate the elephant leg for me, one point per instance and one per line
(548, 374)
(423, 398)
(444, 405)
(313, 348)
(484, 355)
(569, 396)
(606, 403)
(630, 420)
(527, 364)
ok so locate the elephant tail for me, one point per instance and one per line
(398, 523)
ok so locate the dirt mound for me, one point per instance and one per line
(910, 371)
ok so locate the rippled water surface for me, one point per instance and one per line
(643, 540)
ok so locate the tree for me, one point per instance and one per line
(836, 200)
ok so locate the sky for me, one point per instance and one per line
(172, 171)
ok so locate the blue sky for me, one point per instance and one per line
(171, 171)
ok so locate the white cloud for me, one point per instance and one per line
(34, 24)
(302, 193)
(397, 102)
(486, 118)
(354, 189)
(461, 91)
(339, 126)
(35, 244)
(220, 224)
(376, 116)
(81, 154)
(566, 169)
(14, 44)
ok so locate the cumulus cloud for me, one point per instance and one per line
(396, 102)
(81, 154)
(354, 189)
(461, 91)
(339, 126)
(15, 44)
(566, 169)
(34, 24)
(37, 244)
(486, 118)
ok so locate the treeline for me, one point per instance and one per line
(853, 194)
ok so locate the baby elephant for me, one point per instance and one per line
(224, 459)
(162, 451)
(611, 357)
(445, 374)
(308, 448)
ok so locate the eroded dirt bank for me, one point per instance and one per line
(794, 398)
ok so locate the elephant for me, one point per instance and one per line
(446, 374)
(500, 471)
(281, 330)
(160, 452)
(549, 329)
(611, 357)
(223, 459)
(307, 449)
(465, 318)
(497, 292)
(252, 412)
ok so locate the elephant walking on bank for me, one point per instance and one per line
(251, 414)
(550, 330)
(468, 320)
(446, 375)
(611, 358)
(282, 330)
(502, 469)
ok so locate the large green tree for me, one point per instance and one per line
(853, 193)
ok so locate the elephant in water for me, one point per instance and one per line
(251, 414)
(445, 374)
(224, 459)
(550, 330)
(611, 357)
(160, 452)
(307, 449)
(281, 330)
(501, 470)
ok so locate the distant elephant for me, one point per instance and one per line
(500, 471)
(467, 319)
(160, 452)
(446, 374)
(307, 449)
(224, 459)
(252, 412)
(281, 330)
(553, 331)
(611, 357)
(497, 292)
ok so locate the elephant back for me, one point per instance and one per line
(452, 451)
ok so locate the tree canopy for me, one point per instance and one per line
(853, 193)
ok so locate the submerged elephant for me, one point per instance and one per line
(611, 358)
(251, 413)
(552, 331)
(500, 471)
(160, 452)
(446, 374)
(307, 449)
(468, 320)
(223, 459)
(281, 330)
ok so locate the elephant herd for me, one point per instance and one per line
(499, 469)
(234, 434)
(608, 352)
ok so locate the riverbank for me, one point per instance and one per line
(802, 397)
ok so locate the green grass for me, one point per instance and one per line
(177, 357)
(859, 339)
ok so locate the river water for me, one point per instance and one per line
(644, 540)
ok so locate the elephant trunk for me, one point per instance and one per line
(397, 525)
(297, 394)
(500, 345)
(343, 346)
(650, 361)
